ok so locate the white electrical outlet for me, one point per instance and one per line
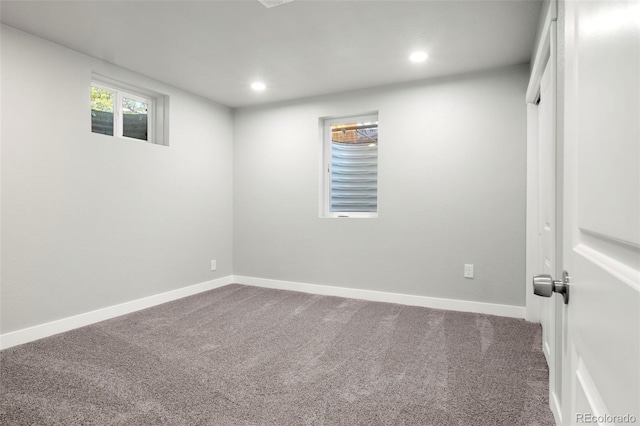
(468, 271)
(213, 265)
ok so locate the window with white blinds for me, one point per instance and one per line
(351, 166)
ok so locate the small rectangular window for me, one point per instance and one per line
(135, 113)
(101, 110)
(122, 111)
(350, 166)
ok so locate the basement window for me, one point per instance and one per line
(127, 112)
(350, 166)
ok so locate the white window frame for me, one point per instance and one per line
(325, 202)
(157, 120)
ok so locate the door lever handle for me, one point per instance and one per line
(544, 285)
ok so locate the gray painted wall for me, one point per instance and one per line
(452, 162)
(89, 221)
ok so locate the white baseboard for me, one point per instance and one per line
(30, 334)
(381, 296)
(54, 327)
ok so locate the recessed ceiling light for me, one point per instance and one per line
(418, 57)
(273, 3)
(258, 86)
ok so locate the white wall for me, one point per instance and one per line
(89, 221)
(452, 165)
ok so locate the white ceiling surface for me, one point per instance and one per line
(299, 49)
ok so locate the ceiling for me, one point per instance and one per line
(298, 49)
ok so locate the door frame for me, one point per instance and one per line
(546, 52)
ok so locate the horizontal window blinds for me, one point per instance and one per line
(354, 177)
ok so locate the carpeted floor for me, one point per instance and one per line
(241, 355)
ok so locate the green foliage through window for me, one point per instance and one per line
(129, 106)
(101, 99)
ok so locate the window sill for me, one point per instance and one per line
(350, 216)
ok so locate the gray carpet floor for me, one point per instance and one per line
(242, 355)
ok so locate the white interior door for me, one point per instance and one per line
(551, 315)
(601, 225)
